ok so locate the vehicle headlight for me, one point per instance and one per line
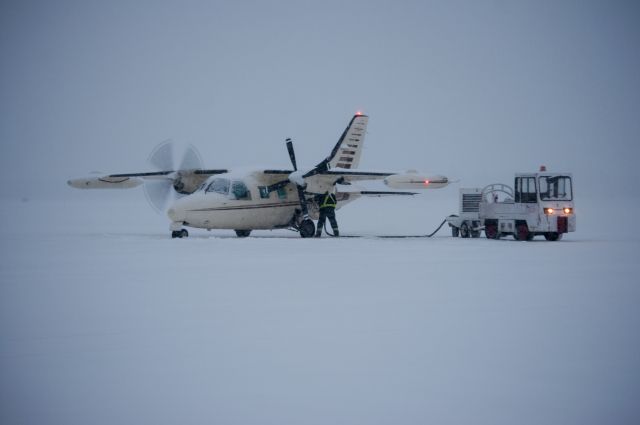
(548, 211)
(568, 210)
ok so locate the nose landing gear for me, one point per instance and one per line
(177, 231)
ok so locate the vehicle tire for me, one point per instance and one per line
(455, 232)
(243, 233)
(464, 230)
(491, 231)
(307, 228)
(184, 233)
(553, 236)
(522, 233)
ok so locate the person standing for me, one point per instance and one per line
(327, 204)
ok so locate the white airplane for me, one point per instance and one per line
(259, 198)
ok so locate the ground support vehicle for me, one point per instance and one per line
(467, 223)
(540, 204)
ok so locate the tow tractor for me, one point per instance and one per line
(540, 204)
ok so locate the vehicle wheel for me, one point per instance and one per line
(307, 228)
(553, 236)
(464, 230)
(522, 233)
(455, 231)
(491, 231)
(243, 233)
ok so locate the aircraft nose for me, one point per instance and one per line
(176, 212)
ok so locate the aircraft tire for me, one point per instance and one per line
(180, 234)
(243, 233)
(307, 229)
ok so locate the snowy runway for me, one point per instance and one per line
(117, 323)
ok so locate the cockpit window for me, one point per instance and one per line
(555, 188)
(239, 191)
(219, 186)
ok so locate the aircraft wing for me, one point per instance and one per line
(323, 180)
(130, 180)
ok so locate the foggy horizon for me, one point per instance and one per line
(472, 90)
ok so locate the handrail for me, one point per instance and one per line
(497, 187)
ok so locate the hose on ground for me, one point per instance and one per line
(398, 236)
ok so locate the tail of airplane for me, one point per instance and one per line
(346, 153)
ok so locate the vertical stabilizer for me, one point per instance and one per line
(346, 154)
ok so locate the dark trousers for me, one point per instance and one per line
(325, 213)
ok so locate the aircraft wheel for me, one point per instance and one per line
(243, 233)
(454, 232)
(307, 228)
(180, 234)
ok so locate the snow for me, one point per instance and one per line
(104, 319)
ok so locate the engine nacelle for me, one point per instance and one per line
(105, 182)
(415, 181)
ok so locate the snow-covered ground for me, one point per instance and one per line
(106, 320)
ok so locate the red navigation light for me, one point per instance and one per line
(426, 182)
(359, 113)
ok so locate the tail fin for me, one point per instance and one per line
(346, 154)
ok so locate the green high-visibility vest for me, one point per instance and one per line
(329, 201)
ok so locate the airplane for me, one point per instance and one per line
(250, 199)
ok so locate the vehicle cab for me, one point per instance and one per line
(539, 204)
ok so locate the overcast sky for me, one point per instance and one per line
(475, 90)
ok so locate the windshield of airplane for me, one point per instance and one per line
(555, 188)
(219, 185)
(239, 190)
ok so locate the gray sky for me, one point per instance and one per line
(476, 90)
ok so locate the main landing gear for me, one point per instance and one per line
(302, 224)
(307, 228)
(182, 233)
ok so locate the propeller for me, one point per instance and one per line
(306, 225)
(299, 182)
(163, 158)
